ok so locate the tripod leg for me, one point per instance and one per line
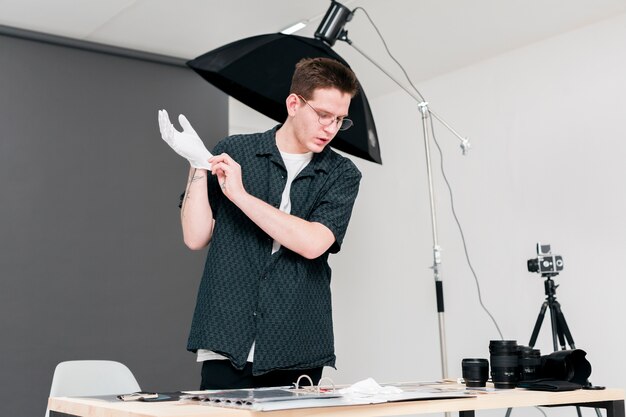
(563, 328)
(542, 314)
(555, 328)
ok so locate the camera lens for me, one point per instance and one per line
(475, 372)
(529, 363)
(504, 363)
(533, 265)
(567, 365)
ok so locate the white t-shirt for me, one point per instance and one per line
(294, 162)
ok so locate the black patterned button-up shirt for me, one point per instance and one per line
(282, 300)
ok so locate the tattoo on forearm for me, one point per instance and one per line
(193, 178)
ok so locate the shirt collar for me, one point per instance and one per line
(321, 161)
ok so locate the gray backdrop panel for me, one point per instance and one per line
(92, 262)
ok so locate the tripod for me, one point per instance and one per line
(560, 331)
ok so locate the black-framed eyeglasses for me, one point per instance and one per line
(326, 119)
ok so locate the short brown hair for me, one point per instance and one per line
(314, 73)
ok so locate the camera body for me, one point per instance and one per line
(545, 263)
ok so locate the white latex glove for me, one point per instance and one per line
(186, 143)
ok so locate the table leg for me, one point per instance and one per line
(613, 408)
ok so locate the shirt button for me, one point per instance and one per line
(254, 314)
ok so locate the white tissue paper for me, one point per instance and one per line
(368, 387)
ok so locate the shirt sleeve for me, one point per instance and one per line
(334, 208)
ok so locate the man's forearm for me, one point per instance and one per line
(309, 239)
(196, 216)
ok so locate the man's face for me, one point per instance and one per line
(327, 103)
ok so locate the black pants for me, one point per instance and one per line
(221, 374)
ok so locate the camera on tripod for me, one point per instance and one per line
(546, 264)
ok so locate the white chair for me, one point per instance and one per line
(84, 378)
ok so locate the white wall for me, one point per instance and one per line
(547, 124)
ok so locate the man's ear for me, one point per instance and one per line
(291, 102)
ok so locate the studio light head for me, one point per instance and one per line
(331, 27)
(545, 263)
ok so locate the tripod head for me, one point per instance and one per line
(550, 287)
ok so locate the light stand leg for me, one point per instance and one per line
(423, 107)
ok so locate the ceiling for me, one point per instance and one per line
(427, 37)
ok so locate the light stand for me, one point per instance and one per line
(465, 145)
(330, 30)
(423, 107)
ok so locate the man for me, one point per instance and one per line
(273, 206)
